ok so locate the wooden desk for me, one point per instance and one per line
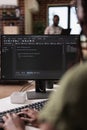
(7, 89)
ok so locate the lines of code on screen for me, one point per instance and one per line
(36, 56)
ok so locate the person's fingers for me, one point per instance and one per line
(4, 118)
(1, 125)
(26, 109)
(27, 112)
(14, 115)
(23, 112)
(28, 120)
(25, 119)
(7, 116)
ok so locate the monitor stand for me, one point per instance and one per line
(40, 90)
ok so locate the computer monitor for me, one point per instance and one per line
(37, 57)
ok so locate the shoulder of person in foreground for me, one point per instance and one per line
(70, 94)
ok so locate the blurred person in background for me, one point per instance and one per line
(54, 28)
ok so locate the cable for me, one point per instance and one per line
(26, 86)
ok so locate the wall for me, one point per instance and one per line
(28, 19)
(31, 6)
(22, 21)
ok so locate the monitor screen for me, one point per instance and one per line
(43, 58)
(27, 57)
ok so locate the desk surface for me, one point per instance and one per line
(7, 89)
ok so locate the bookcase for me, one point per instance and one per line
(9, 19)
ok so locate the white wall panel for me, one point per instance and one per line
(8, 2)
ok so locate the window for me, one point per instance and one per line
(74, 25)
(68, 17)
(61, 11)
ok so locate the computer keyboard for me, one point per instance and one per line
(38, 106)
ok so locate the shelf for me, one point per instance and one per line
(10, 18)
(2, 7)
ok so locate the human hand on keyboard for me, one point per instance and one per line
(12, 122)
(30, 116)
